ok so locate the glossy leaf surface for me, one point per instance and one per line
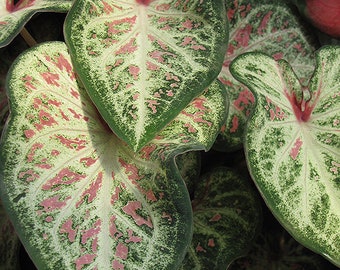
(268, 26)
(226, 220)
(292, 145)
(143, 62)
(15, 14)
(77, 195)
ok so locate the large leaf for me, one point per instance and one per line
(226, 219)
(77, 195)
(142, 62)
(15, 14)
(293, 145)
(268, 26)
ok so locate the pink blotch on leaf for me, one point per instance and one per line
(134, 71)
(91, 192)
(34, 148)
(64, 177)
(53, 203)
(91, 233)
(85, 259)
(116, 265)
(244, 99)
(264, 23)
(122, 251)
(68, 229)
(131, 209)
(199, 248)
(132, 238)
(211, 242)
(51, 78)
(242, 36)
(235, 124)
(296, 148)
(46, 119)
(76, 143)
(114, 233)
(216, 217)
(30, 175)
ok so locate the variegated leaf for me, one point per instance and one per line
(15, 14)
(9, 243)
(78, 196)
(189, 165)
(227, 215)
(268, 26)
(142, 62)
(293, 145)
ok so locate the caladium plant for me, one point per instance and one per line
(15, 14)
(270, 27)
(79, 191)
(226, 218)
(142, 62)
(292, 145)
(97, 168)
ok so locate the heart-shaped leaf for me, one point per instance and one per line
(77, 195)
(15, 14)
(227, 215)
(142, 62)
(293, 145)
(268, 26)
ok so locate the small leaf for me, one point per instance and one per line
(77, 195)
(292, 145)
(142, 62)
(270, 27)
(226, 220)
(15, 14)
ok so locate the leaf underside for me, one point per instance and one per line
(76, 194)
(265, 26)
(292, 145)
(13, 16)
(226, 220)
(143, 63)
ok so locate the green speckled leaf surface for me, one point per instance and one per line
(143, 62)
(293, 145)
(15, 14)
(270, 27)
(78, 196)
(227, 217)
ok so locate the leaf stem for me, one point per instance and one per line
(28, 37)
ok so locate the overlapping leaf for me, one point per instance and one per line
(292, 145)
(15, 14)
(142, 62)
(226, 220)
(268, 26)
(77, 195)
